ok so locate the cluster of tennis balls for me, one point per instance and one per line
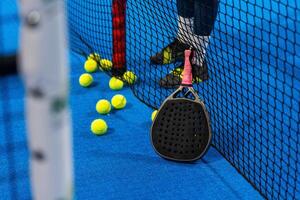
(103, 106)
(93, 63)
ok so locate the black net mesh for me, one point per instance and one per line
(246, 69)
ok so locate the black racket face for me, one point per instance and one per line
(181, 130)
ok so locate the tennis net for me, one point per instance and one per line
(251, 83)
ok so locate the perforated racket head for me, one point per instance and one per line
(181, 129)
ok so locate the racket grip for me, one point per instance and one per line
(187, 71)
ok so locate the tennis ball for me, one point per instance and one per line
(129, 77)
(85, 80)
(94, 56)
(115, 84)
(90, 65)
(103, 106)
(105, 64)
(118, 101)
(99, 127)
(153, 115)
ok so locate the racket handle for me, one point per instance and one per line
(187, 71)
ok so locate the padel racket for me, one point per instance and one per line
(181, 129)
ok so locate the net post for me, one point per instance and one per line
(45, 71)
(119, 37)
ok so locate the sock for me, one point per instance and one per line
(185, 29)
(186, 35)
(200, 43)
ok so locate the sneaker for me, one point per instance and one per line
(172, 53)
(173, 79)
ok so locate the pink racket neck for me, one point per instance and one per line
(187, 71)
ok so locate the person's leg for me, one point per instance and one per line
(204, 19)
(174, 51)
(185, 11)
(185, 8)
(194, 34)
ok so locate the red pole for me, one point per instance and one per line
(119, 37)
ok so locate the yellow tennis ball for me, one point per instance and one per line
(105, 64)
(103, 106)
(118, 101)
(94, 56)
(153, 115)
(90, 65)
(115, 84)
(85, 80)
(129, 77)
(99, 127)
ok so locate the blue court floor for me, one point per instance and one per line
(120, 164)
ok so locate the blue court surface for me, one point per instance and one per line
(122, 163)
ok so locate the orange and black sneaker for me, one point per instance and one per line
(174, 52)
(173, 79)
